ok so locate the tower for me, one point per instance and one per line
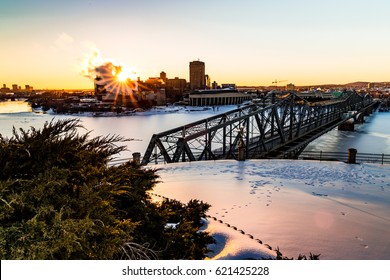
(197, 75)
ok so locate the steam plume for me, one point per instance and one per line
(107, 72)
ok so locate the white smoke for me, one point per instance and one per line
(107, 72)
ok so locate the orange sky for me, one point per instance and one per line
(242, 42)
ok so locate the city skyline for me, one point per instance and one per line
(241, 42)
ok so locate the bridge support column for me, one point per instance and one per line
(137, 158)
(241, 153)
(351, 156)
(347, 126)
(359, 118)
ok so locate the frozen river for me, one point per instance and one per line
(338, 210)
(140, 127)
(373, 136)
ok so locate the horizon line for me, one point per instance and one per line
(238, 86)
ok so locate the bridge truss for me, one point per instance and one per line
(280, 129)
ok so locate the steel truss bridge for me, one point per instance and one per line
(279, 130)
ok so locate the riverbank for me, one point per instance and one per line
(123, 112)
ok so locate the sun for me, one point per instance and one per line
(122, 77)
(123, 74)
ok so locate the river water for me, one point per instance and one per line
(139, 127)
(373, 136)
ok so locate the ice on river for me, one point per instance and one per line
(338, 210)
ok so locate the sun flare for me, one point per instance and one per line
(115, 79)
(124, 74)
(122, 77)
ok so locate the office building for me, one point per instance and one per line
(216, 97)
(197, 75)
(175, 89)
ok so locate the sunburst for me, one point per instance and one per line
(118, 80)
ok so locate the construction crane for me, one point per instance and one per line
(276, 82)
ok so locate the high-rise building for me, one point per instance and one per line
(207, 81)
(15, 87)
(197, 75)
(163, 76)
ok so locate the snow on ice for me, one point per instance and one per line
(338, 210)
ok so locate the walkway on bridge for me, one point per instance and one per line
(281, 129)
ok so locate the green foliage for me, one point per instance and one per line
(60, 200)
(185, 241)
(279, 256)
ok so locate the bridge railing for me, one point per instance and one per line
(343, 156)
(306, 155)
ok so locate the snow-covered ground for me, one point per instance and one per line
(338, 210)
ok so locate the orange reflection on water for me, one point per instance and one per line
(7, 107)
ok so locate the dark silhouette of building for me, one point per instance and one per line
(154, 83)
(5, 89)
(163, 76)
(197, 75)
(207, 81)
(100, 89)
(175, 89)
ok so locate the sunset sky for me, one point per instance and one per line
(44, 42)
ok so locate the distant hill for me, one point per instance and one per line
(349, 85)
(359, 84)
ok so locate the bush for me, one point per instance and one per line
(60, 200)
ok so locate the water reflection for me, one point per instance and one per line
(9, 107)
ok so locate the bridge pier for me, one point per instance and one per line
(352, 156)
(137, 158)
(360, 118)
(241, 153)
(348, 125)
